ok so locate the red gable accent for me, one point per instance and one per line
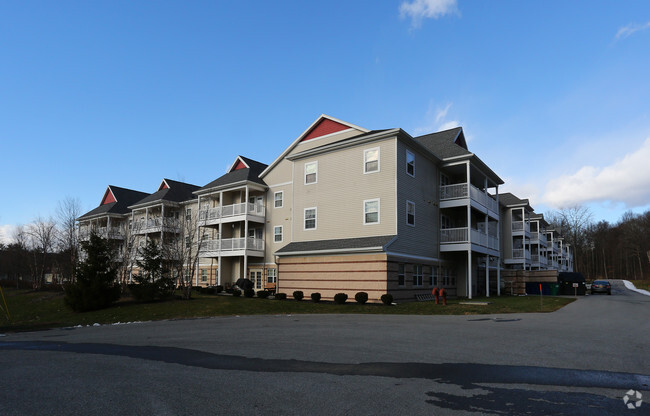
(108, 197)
(239, 165)
(326, 126)
(163, 186)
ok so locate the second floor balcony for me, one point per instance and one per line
(110, 233)
(231, 247)
(521, 254)
(462, 191)
(156, 225)
(521, 227)
(209, 216)
(451, 236)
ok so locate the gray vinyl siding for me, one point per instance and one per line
(423, 238)
(340, 191)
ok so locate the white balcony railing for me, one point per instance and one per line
(460, 190)
(234, 210)
(520, 253)
(232, 244)
(460, 235)
(518, 226)
(111, 233)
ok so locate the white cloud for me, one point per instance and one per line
(426, 9)
(625, 181)
(630, 29)
(6, 233)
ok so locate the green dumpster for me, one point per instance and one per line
(555, 289)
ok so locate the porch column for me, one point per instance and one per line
(499, 243)
(219, 270)
(246, 233)
(499, 276)
(487, 275)
(469, 274)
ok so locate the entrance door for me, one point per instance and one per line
(256, 278)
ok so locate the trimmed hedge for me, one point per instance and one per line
(280, 296)
(361, 297)
(387, 299)
(263, 294)
(236, 293)
(315, 297)
(340, 298)
(298, 295)
(249, 293)
(219, 288)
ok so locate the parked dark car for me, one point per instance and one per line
(567, 280)
(601, 286)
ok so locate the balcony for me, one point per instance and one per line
(460, 236)
(214, 215)
(110, 233)
(521, 226)
(156, 225)
(538, 261)
(538, 238)
(460, 191)
(521, 254)
(231, 247)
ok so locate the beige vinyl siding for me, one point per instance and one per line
(340, 193)
(278, 179)
(423, 238)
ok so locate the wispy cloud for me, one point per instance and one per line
(631, 29)
(426, 9)
(436, 120)
(625, 181)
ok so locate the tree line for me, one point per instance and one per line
(603, 250)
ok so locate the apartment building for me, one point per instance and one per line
(528, 243)
(346, 209)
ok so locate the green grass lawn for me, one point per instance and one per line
(34, 310)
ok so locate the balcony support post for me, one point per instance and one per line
(469, 273)
(487, 275)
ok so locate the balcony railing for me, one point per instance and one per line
(460, 190)
(111, 233)
(234, 210)
(232, 244)
(157, 224)
(520, 253)
(520, 226)
(460, 235)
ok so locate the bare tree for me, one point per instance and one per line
(67, 212)
(42, 235)
(183, 249)
(573, 223)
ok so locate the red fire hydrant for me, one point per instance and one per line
(434, 292)
(443, 295)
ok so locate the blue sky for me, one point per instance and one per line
(553, 95)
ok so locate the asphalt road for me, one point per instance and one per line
(580, 360)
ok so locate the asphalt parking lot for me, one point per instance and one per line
(582, 359)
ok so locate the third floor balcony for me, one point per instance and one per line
(234, 212)
(454, 195)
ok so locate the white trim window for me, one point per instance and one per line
(410, 213)
(400, 274)
(371, 160)
(311, 173)
(278, 199)
(271, 275)
(204, 275)
(417, 275)
(310, 218)
(277, 234)
(410, 163)
(371, 211)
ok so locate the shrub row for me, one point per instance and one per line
(339, 298)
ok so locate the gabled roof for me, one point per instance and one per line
(242, 170)
(510, 200)
(445, 144)
(378, 243)
(122, 198)
(323, 126)
(170, 191)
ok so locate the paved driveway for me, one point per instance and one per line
(579, 360)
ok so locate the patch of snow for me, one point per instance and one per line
(631, 286)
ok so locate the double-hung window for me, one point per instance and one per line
(371, 160)
(204, 275)
(410, 163)
(310, 218)
(278, 199)
(277, 234)
(371, 211)
(311, 172)
(417, 275)
(410, 213)
(400, 274)
(271, 275)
